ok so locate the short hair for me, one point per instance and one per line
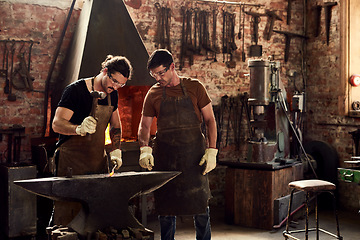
(118, 64)
(160, 57)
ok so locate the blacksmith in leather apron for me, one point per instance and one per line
(84, 155)
(179, 146)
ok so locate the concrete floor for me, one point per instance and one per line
(349, 227)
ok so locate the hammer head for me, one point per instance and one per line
(96, 94)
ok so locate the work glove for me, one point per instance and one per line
(210, 159)
(146, 158)
(88, 125)
(115, 157)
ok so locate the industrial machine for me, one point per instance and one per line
(270, 141)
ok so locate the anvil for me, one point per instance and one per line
(104, 199)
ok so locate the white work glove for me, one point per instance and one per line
(88, 125)
(115, 157)
(146, 158)
(210, 159)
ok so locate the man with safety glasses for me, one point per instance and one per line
(81, 118)
(180, 105)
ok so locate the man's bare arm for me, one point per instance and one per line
(61, 122)
(209, 119)
(144, 130)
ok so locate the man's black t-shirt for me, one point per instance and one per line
(77, 98)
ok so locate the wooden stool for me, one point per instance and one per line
(316, 187)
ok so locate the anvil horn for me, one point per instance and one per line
(104, 199)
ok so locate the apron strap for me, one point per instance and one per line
(92, 83)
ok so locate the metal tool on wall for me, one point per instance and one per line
(327, 8)
(12, 96)
(187, 49)
(271, 18)
(5, 68)
(229, 117)
(214, 45)
(228, 39)
(162, 39)
(255, 50)
(17, 72)
(288, 37)
(289, 8)
(21, 79)
(204, 25)
(243, 55)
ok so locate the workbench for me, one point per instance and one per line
(250, 193)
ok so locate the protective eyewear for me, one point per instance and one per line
(159, 73)
(116, 82)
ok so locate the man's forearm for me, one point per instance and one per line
(212, 134)
(143, 138)
(64, 127)
(115, 136)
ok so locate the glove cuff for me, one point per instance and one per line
(212, 151)
(78, 129)
(116, 153)
(145, 149)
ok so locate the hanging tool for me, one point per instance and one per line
(255, 50)
(162, 37)
(21, 79)
(243, 55)
(239, 32)
(214, 46)
(5, 70)
(167, 28)
(288, 37)
(271, 18)
(196, 23)
(228, 39)
(288, 16)
(11, 96)
(186, 50)
(158, 24)
(327, 8)
(189, 47)
(317, 19)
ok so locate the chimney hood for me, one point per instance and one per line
(105, 27)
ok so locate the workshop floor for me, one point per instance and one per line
(349, 228)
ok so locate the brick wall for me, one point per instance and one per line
(43, 21)
(326, 96)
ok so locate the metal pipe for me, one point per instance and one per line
(52, 66)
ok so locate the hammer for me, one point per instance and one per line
(288, 37)
(96, 95)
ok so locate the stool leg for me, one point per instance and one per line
(307, 216)
(336, 216)
(289, 212)
(316, 217)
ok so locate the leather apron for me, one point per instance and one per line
(178, 146)
(84, 155)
